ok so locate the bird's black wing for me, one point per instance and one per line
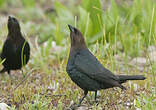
(7, 49)
(87, 63)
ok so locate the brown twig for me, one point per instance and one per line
(28, 74)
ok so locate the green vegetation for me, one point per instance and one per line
(116, 35)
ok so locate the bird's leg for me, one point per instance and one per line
(95, 98)
(95, 95)
(8, 72)
(85, 94)
(11, 77)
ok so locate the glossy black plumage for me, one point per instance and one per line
(16, 50)
(87, 72)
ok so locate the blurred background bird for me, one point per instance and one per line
(16, 50)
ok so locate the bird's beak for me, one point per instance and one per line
(9, 18)
(71, 28)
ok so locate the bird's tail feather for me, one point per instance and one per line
(124, 78)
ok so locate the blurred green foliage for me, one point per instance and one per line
(121, 22)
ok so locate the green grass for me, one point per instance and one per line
(124, 30)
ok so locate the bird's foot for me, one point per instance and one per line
(92, 102)
(74, 106)
(96, 102)
(78, 105)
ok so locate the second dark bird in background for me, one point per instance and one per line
(16, 50)
(87, 72)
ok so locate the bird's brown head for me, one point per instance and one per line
(13, 25)
(77, 39)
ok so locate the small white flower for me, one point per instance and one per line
(4, 106)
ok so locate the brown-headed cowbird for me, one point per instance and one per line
(16, 50)
(87, 72)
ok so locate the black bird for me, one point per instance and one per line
(16, 50)
(87, 72)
